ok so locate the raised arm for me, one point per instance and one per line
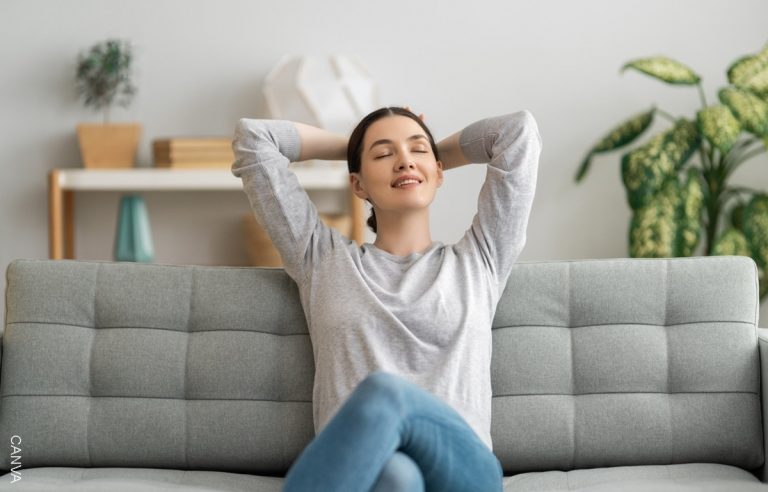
(317, 143)
(510, 144)
(263, 149)
(450, 151)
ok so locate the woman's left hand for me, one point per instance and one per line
(420, 116)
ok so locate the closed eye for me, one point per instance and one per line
(387, 155)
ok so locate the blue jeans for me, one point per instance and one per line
(392, 435)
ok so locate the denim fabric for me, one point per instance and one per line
(386, 425)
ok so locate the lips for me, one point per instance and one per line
(405, 177)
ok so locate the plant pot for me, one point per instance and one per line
(108, 146)
(263, 253)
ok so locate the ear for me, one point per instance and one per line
(356, 186)
(440, 177)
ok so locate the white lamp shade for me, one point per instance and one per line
(331, 92)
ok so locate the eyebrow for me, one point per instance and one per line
(386, 141)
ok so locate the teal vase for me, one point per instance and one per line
(133, 241)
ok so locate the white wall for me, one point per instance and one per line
(200, 65)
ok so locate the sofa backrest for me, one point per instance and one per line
(627, 362)
(144, 365)
(595, 363)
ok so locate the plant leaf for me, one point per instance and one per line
(731, 242)
(653, 228)
(103, 72)
(756, 227)
(756, 232)
(665, 69)
(621, 135)
(719, 126)
(689, 214)
(751, 72)
(645, 169)
(750, 110)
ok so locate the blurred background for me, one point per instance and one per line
(200, 65)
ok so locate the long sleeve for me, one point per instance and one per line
(263, 149)
(510, 144)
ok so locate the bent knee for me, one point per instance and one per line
(400, 473)
(380, 391)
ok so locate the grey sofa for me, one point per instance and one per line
(619, 374)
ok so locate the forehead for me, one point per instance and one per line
(396, 128)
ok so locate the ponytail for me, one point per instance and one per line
(372, 220)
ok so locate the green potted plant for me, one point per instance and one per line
(677, 181)
(104, 79)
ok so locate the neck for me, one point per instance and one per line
(402, 234)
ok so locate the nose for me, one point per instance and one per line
(405, 160)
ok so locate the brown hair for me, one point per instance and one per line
(355, 146)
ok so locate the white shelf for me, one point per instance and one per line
(330, 176)
(64, 182)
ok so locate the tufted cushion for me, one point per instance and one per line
(627, 362)
(121, 364)
(595, 363)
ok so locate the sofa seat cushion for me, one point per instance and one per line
(709, 477)
(706, 477)
(67, 479)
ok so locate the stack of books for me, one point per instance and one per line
(193, 152)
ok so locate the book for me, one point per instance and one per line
(219, 164)
(193, 156)
(193, 152)
(194, 143)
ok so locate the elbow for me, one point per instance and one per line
(244, 145)
(523, 125)
(519, 134)
(248, 128)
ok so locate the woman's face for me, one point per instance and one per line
(395, 146)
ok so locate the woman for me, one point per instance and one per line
(401, 328)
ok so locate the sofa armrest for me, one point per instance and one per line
(762, 342)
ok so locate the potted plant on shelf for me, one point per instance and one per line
(676, 198)
(104, 79)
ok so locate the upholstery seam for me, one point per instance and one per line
(186, 367)
(307, 333)
(150, 328)
(310, 401)
(157, 398)
(626, 323)
(281, 373)
(90, 370)
(670, 435)
(160, 398)
(573, 375)
(632, 393)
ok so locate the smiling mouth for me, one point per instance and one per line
(407, 185)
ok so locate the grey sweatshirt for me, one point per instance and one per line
(425, 316)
